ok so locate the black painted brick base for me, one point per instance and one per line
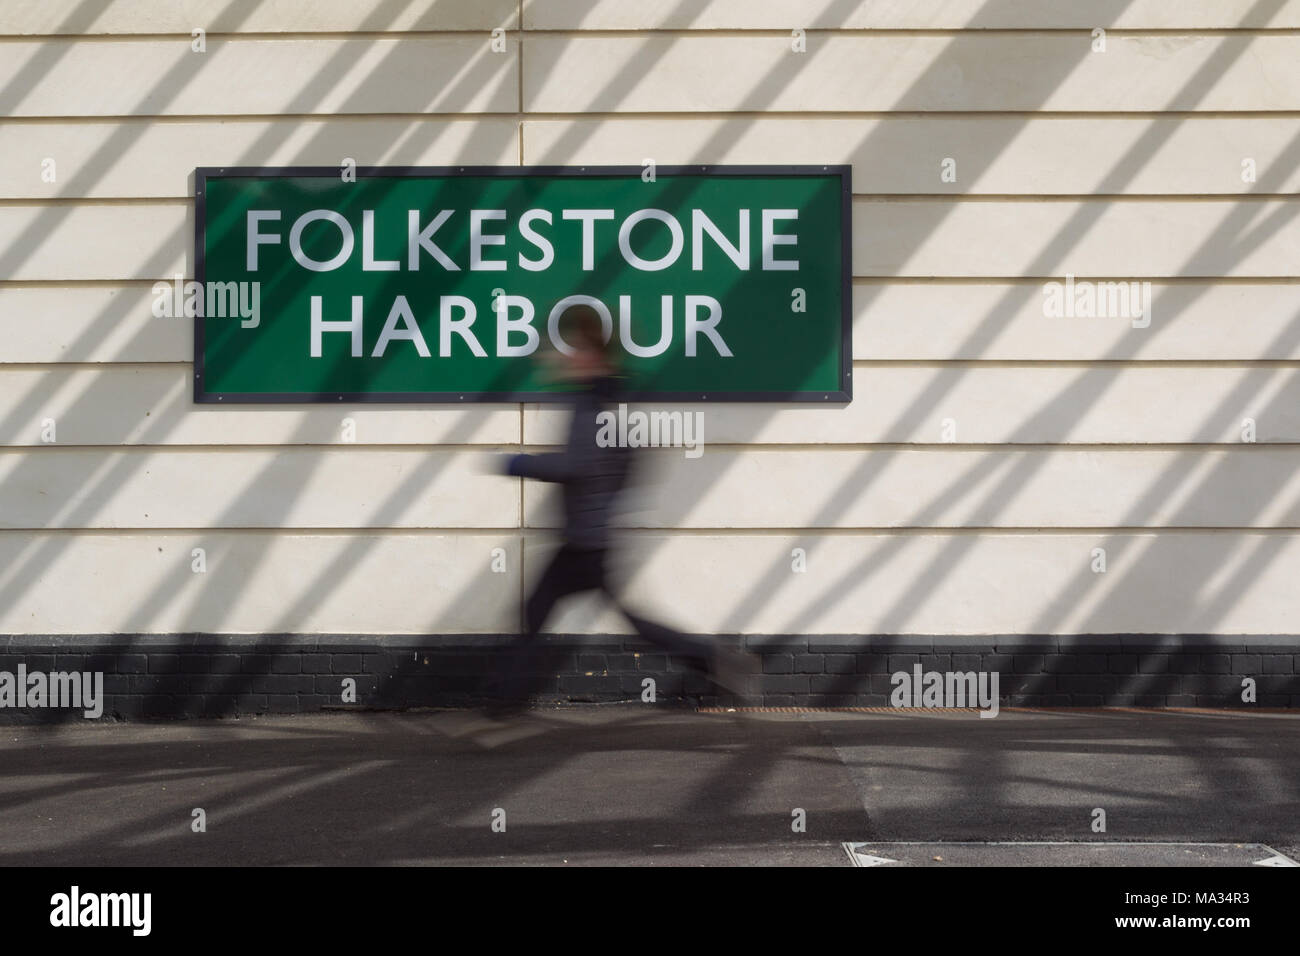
(229, 675)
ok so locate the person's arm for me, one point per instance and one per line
(576, 460)
(556, 466)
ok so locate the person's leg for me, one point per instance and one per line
(672, 641)
(729, 669)
(732, 670)
(571, 571)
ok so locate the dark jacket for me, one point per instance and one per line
(592, 476)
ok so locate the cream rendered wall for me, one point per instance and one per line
(1068, 434)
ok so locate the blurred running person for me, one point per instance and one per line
(592, 478)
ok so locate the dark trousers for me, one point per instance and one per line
(573, 571)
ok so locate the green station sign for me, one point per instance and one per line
(717, 283)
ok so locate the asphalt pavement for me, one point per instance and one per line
(640, 784)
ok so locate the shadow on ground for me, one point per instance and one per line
(632, 784)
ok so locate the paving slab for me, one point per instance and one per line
(1099, 853)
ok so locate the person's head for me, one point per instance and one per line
(592, 356)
